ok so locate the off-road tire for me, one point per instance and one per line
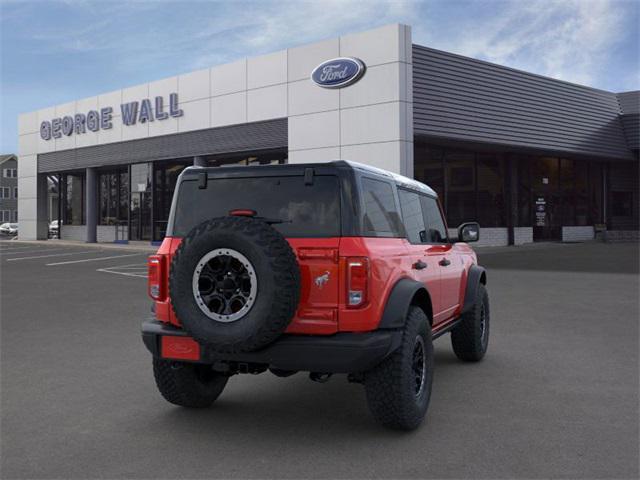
(278, 280)
(391, 386)
(469, 339)
(186, 384)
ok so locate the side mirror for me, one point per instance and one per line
(469, 232)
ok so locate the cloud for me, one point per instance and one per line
(569, 40)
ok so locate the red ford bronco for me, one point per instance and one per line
(326, 268)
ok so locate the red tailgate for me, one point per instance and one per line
(319, 290)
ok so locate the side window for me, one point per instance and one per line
(414, 221)
(436, 231)
(380, 213)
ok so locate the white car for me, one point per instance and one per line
(9, 228)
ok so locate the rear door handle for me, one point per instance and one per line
(444, 262)
(419, 265)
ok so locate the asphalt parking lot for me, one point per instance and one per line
(556, 396)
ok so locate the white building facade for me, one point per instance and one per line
(113, 158)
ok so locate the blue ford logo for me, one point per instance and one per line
(338, 73)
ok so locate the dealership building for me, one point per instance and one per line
(530, 158)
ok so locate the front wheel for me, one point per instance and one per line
(470, 338)
(399, 389)
(187, 384)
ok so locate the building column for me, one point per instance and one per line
(91, 209)
(199, 162)
(42, 215)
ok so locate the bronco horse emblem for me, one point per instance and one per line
(322, 279)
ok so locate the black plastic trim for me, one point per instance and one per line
(397, 307)
(473, 280)
(339, 353)
(447, 328)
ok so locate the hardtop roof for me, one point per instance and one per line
(323, 167)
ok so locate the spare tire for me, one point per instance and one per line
(234, 284)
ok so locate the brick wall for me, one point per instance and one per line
(522, 235)
(614, 236)
(73, 232)
(489, 237)
(577, 234)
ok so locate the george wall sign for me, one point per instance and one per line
(94, 120)
(338, 72)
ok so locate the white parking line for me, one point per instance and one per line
(92, 259)
(129, 270)
(39, 250)
(47, 256)
(20, 249)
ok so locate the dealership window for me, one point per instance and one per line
(428, 167)
(460, 187)
(523, 176)
(113, 197)
(491, 198)
(596, 192)
(621, 204)
(470, 185)
(73, 199)
(623, 201)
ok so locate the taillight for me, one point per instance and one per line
(155, 277)
(357, 281)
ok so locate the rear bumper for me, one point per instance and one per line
(339, 353)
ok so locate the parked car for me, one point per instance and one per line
(9, 229)
(325, 268)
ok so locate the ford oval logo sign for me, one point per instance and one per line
(338, 73)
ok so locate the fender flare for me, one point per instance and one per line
(404, 293)
(475, 277)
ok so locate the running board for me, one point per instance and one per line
(446, 328)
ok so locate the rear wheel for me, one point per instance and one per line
(187, 384)
(399, 389)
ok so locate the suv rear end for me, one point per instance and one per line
(316, 208)
(305, 268)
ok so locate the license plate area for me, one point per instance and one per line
(179, 348)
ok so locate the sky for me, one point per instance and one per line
(55, 51)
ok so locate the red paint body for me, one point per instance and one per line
(325, 310)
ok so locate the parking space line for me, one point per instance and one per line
(126, 274)
(39, 250)
(91, 259)
(51, 255)
(21, 249)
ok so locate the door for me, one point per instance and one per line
(140, 216)
(442, 250)
(545, 190)
(425, 258)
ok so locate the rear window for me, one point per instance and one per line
(306, 210)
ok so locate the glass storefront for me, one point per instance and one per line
(113, 197)
(544, 192)
(470, 185)
(73, 199)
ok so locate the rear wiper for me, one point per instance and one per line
(272, 221)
